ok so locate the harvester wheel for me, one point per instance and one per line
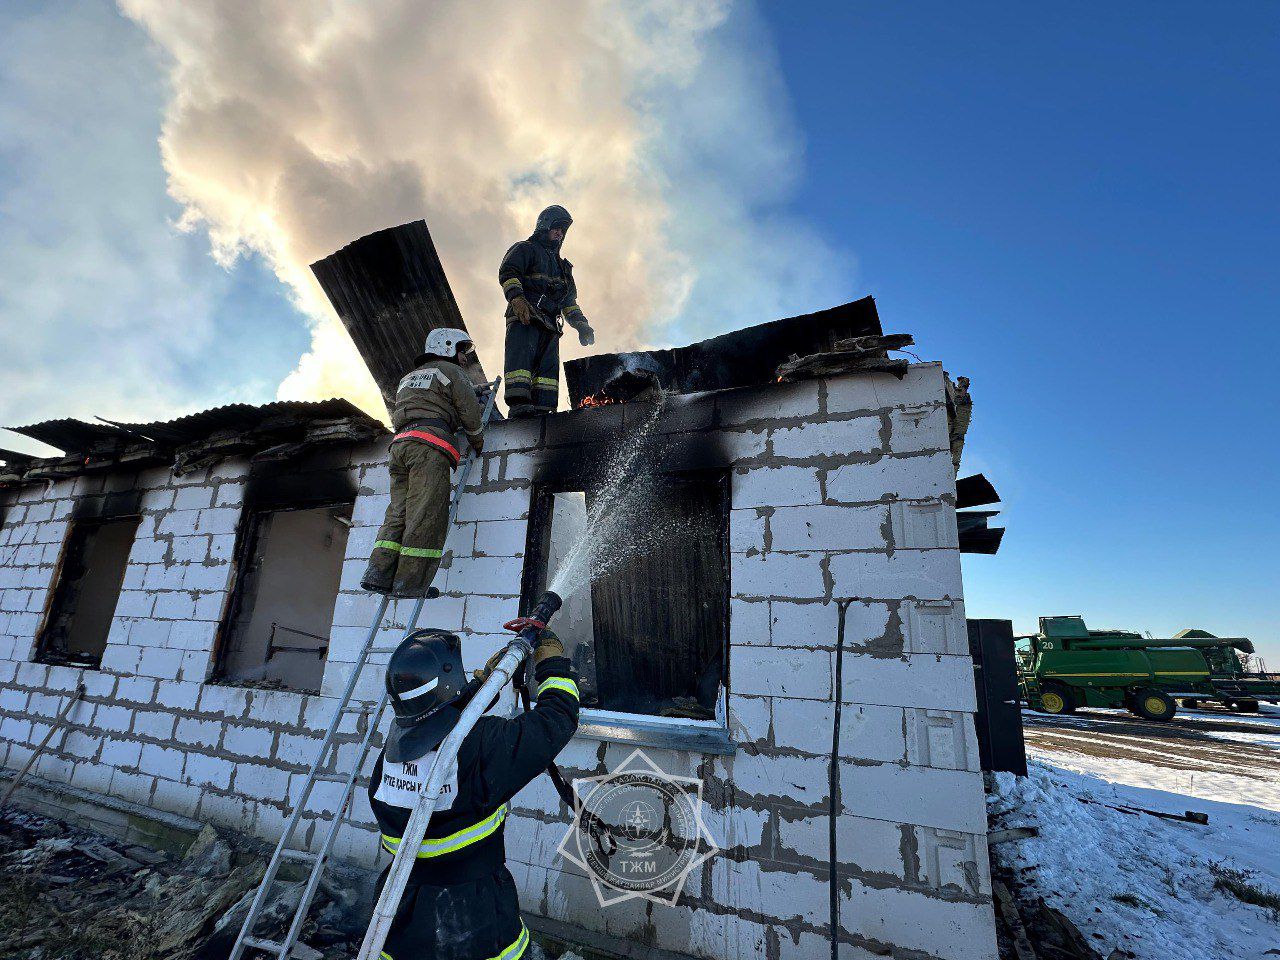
(1055, 698)
(1244, 705)
(1153, 705)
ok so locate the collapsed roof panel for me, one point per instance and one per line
(738, 359)
(389, 290)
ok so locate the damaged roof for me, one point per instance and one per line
(738, 359)
(271, 431)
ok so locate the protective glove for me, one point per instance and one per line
(586, 336)
(549, 645)
(483, 674)
(477, 442)
(523, 312)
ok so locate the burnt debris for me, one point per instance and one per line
(390, 290)
(739, 359)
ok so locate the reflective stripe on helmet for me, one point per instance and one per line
(559, 683)
(455, 841)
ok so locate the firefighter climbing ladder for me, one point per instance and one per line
(372, 712)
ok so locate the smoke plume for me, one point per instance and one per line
(295, 126)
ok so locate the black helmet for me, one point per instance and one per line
(425, 678)
(554, 216)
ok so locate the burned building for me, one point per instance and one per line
(791, 583)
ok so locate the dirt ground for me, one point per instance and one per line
(1200, 740)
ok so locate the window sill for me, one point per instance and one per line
(669, 733)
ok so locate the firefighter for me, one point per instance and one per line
(538, 284)
(433, 402)
(461, 903)
(959, 415)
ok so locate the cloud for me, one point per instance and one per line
(105, 307)
(294, 126)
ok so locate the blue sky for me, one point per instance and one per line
(1074, 205)
(1078, 206)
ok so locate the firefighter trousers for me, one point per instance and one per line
(532, 371)
(411, 539)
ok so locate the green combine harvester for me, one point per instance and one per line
(1066, 665)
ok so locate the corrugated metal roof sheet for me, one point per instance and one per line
(389, 290)
(242, 417)
(77, 436)
(73, 436)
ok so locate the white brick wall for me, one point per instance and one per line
(841, 491)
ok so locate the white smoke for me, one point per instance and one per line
(295, 126)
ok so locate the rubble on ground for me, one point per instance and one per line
(68, 894)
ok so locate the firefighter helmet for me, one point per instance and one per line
(425, 680)
(447, 342)
(554, 216)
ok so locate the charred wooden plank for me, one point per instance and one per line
(835, 363)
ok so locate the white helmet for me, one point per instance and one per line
(446, 342)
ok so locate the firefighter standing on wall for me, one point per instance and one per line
(538, 284)
(433, 402)
(461, 901)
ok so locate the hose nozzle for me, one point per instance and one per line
(536, 621)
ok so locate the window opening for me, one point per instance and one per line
(648, 634)
(90, 575)
(288, 570)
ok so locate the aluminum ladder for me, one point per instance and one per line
(347, 705)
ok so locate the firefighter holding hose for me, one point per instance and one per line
(434, 402)
(540, 291)
(461, 901)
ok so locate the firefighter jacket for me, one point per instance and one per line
(461, 901)
(534, 269)
(437, 398)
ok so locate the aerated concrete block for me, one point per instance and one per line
(781, 672)
(948, 799)
(774, 574)
(922, 574)
(914, 921)
(829, 528)
(916, 680)
(784, 486)
(862, 392)
(912, 477)
(860, 435)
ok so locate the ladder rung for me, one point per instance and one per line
(260, 944)
(332, 777)
(306, 856)
(361, 706)
(382, 650)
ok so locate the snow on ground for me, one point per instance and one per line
(1143, 883)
